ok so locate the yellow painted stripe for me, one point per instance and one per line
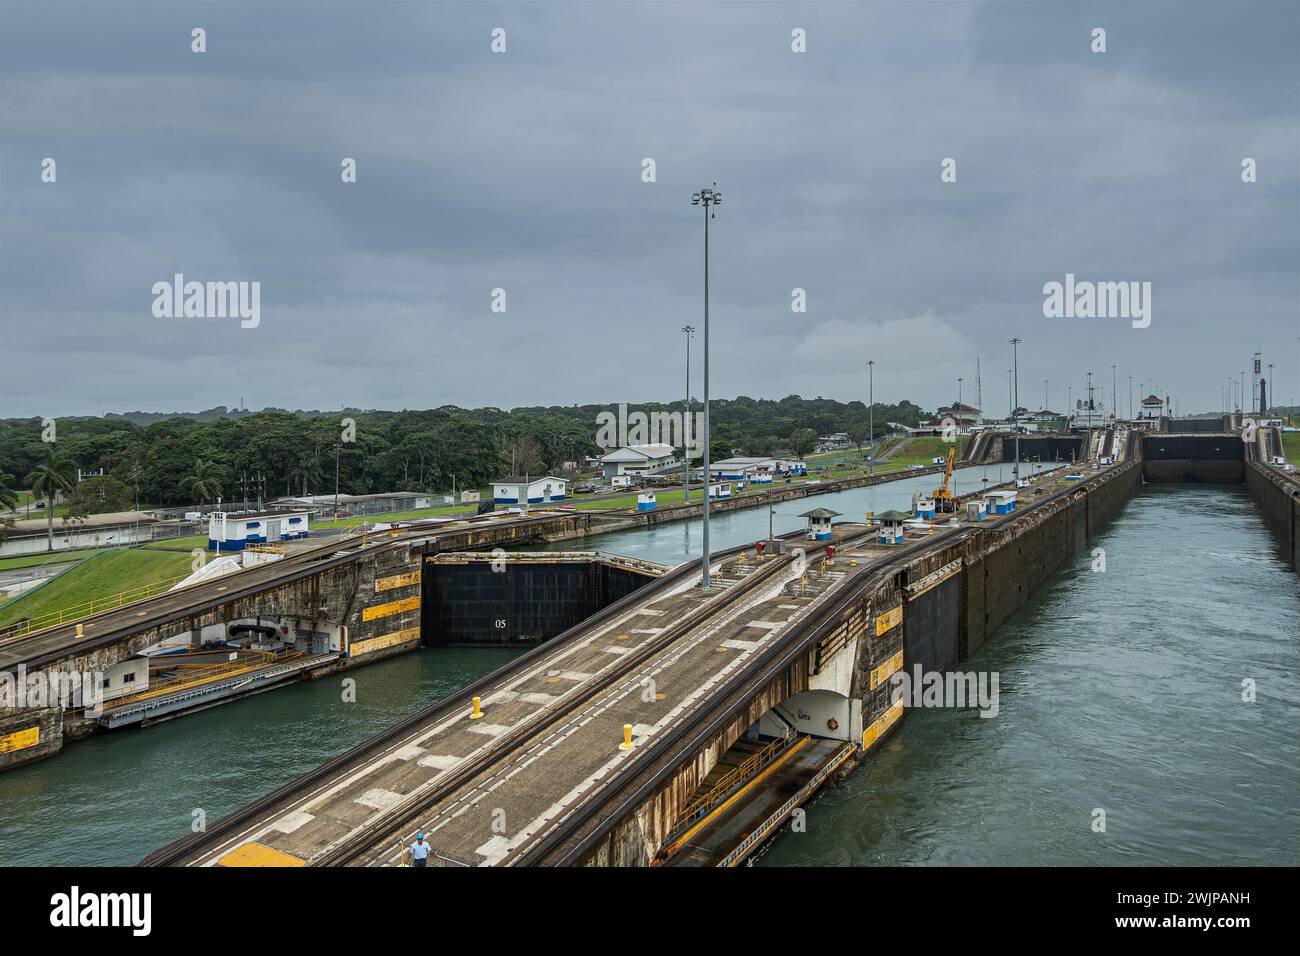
(258, 854)
(891, 618)
(883, 672)
(712, 814)
(392, 639)
(387, 610)
(20, 740)
(397, 581)
(881, 724)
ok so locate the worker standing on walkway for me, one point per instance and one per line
(419, 851)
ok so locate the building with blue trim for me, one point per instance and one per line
(513, 489)
(234, 532)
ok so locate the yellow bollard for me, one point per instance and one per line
(81, 630)
(627, 738)
(478, 710)
(853, 562)
(741, 559)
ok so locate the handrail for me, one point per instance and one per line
(741, 772)
(210, 673)
(95, 606)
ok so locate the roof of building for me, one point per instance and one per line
(741, 462)
(894, 516)
(820, 513)
(1153, 400)
(959, 407)
(634, 452)
(529, 480)
(255, 515)
(107, 520)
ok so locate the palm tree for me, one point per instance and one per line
(8, 494)
(55, 474)
(204, 483)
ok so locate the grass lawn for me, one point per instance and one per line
(44, 557)
(98, 580)
(1291, 447)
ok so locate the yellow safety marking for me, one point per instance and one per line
(257, 854)
(397, 581)
(389, 609)
(712, 814)
(20, 740)
(392, 639)
(891, 618)
(883, 672)
(881, 724)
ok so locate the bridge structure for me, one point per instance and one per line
(663, 729)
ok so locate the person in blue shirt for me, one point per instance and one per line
(419, 851)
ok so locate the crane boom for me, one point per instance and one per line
(943, 496)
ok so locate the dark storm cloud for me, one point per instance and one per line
(522, 171)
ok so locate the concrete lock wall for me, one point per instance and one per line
(29, 734)
(1278, 500)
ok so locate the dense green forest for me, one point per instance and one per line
(185, 458)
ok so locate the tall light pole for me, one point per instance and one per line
(1015, 400)
(871, 416)
(1046, 405)
(1114, 395)
(686, 422)
(706, 198)
(1268, 389)
(959, 391)
(1130, 397)
(1090, 400)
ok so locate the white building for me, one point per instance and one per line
(639, 460)
(738, 468)
(228, 532)
(513, 489)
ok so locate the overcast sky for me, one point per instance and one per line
(523, 171)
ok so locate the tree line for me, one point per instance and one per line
(237, 455)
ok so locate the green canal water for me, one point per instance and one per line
(1119, 690)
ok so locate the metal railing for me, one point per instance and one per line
(735, 777)
(87, 608)
(204, 674)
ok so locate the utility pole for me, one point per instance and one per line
(707, 197)
(686, 422)
(1114, 395)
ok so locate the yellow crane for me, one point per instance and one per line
(944, 500)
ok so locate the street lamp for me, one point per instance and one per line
(686, 422)
(871, 416)
(1015, 399)
(706, 198)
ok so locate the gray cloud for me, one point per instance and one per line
(522, 171)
